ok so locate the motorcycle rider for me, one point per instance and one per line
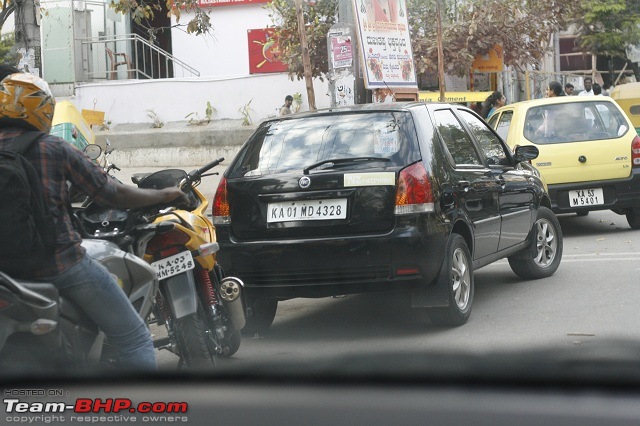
(70, 269)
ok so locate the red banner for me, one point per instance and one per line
(264, 53)
(211, 3)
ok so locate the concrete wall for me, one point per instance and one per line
(175, 145)
(128, 101)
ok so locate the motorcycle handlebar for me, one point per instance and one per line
(198, 172)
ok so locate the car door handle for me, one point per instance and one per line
(465, 185)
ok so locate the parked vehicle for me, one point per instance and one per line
(381, 197)
(202, 309)
(42, 330)
(628, 97)
(69, 124)
(589, 151)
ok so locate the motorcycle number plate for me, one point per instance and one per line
(173, 265)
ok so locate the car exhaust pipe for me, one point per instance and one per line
(232, 295)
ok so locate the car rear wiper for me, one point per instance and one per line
(352, 160)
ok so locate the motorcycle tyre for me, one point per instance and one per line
(263, 311)
(190, 337)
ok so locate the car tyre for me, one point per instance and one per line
(633, 217)
(263, 311)
(547, 237)
(456, 274)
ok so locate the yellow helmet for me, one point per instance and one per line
(26, 101)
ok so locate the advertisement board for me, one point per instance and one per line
(264, 52)
(385, 44)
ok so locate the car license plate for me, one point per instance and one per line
(586, 197)
(307, 210)
(173, 265)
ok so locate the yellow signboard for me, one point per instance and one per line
(491, 62)
(453, 97)
(93, 117)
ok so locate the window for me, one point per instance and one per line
(281, 146)
(574, 122)
(489, 143)
(456, 139)
(503, 125)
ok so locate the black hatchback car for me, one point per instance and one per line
(381, 197)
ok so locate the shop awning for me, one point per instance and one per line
(454, 96)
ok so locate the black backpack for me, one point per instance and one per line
(27, 230)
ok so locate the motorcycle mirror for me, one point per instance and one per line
(93, 151)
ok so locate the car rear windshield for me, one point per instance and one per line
(574, 122)
(296, 144)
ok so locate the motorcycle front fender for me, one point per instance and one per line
(180, 294)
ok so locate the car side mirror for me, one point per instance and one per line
(526, 153)
(93, 151)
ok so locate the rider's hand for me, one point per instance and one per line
(174, 195)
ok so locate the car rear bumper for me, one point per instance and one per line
(284, 269)
(619, 194)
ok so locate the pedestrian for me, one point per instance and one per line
(286, 108)
(554, 89)
(597, 89)
(568, 89)
(588, 87)
(493, 102)
(68, 267)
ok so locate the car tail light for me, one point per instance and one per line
(414, 193)
(635, 151)
(220, 210)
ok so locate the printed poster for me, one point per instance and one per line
(383, 31)
(264, 52)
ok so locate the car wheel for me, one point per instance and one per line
(456, 274)
(547, 237)
(633, 217)
(263, 311)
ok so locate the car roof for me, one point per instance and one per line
(558, 100)
(373, 107)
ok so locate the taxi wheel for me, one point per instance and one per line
(547, 238)
(456, 274)
(633, 217)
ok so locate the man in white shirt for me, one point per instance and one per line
(588, 87)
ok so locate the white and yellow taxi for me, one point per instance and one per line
(589, 151)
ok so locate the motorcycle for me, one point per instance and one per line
(42, 330)
(203, 311)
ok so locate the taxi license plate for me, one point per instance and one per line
(173, 265)
(307, 210)
(586, 197)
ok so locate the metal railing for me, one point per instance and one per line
(129, 56)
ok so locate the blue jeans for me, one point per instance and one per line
(92, 288)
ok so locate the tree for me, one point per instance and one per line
(609, 27)
(472, 27)
(7, 53)
(319, 16)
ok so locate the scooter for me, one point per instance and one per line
(202, 310)
(40, 330)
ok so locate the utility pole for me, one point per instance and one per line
(306, 62)
(27, 35)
